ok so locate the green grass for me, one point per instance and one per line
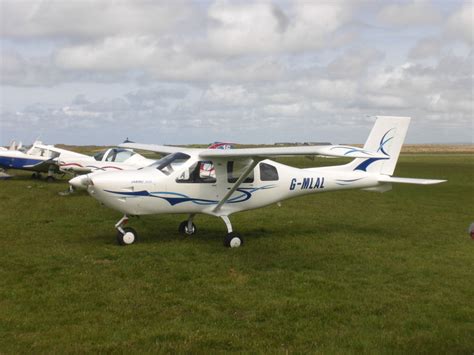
(348, 271)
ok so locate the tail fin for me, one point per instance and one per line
(387, 136)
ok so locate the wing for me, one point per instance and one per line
(43, 166)
(327, 150)
(165, 149)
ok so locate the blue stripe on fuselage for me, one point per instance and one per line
(17, 163)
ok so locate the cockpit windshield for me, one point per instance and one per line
(99, 155)
(170, 163)
(117, 155)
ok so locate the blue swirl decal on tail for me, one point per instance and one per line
(384, 141)
(367, 162)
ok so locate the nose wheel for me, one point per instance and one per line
(232, 239)
(127, 235)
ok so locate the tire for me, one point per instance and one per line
(183, 228)
(50, 179)
(233, 240)
(129, 237)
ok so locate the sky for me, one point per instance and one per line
(182, 71)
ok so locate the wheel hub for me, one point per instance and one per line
(128, 238)
(235, 242)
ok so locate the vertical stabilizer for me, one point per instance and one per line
(387, 137)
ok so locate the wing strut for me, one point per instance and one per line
(236, 185)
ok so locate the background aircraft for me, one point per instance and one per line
(113, 159)
(244, 179)
(116, 159)
(39, 158)
(42, 158)
(110, 159)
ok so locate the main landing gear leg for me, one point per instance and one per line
(188, 227)
(125, 236)
(233, 239)
(50, 177)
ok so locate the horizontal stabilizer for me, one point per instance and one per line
(399, 180)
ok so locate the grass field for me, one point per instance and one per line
(349, 271)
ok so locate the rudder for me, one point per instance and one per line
(386, 137)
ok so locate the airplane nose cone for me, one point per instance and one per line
(81, 182)
(109, 181)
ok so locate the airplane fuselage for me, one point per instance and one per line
(19, 160)
(149, 191)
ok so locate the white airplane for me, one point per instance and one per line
(112, 159)
(39, 158)
(244, 179)
(42, 158)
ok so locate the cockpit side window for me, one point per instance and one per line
(199, 172)
(268, 172)
(170, 163)
(237, 168)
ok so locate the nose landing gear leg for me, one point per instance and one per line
(233, 239)
(125, 236)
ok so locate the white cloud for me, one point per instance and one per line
(334, 89)
(91, 18)
(461, 23)
(15, 69)
(242, 28)
(79, 113)
(426, 47)
(291, 110)
(354, 63)
(262, 27)
(237, 67)
(110, 54)
(228, 95)
(412, 13)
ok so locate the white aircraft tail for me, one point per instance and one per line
(387, 137)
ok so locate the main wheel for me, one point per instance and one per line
(128, 237)
(183, 228)
(50, 179)
(233, 240)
